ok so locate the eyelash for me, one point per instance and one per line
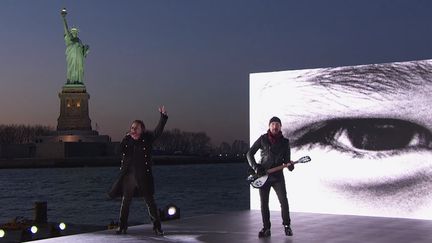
(325, 135)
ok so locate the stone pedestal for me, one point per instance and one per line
(74, 109)
(74, 136)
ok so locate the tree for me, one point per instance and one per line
(176, 141)
(21, 134)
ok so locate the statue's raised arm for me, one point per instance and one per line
(65, 25)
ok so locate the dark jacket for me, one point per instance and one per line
(137, 160)
(272, 155)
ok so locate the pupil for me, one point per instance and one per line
(379, 137)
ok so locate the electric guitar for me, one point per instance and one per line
(258, 181)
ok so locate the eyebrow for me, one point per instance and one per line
(387, 78)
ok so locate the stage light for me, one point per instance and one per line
(56, 229)
(172, 211)
(169, 212)
(2, 233)
(34, 229)
(62, 226)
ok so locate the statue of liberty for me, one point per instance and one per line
(76, 52)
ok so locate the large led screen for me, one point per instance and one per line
(367, 129)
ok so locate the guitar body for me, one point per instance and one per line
(257, 181)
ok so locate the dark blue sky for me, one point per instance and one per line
(193, 56)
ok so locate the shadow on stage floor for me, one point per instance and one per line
(243, 226)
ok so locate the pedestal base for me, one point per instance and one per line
(74, 111)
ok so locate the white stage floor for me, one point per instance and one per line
(243, 226)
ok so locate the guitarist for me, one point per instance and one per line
(275, 151)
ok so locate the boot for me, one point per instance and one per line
(288, 230)
(157, 229)
(121, 229)
(264, 233)
(124, 215)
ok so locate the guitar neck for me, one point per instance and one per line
(278, 168)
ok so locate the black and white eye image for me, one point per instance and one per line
(367, 128)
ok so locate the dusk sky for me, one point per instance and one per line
(193, 56)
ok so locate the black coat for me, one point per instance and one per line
(137, 160)
(272, 155)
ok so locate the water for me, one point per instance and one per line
(78, 195)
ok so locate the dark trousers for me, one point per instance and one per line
(129, 187)
(279, 187)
